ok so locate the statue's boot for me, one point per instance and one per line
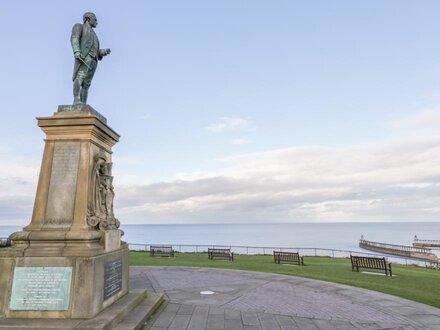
(83, 95)
(77, 100)
(76, 92)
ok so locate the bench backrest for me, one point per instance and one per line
(281, 254)
(219, 250)
(161, 248)
(369, 262)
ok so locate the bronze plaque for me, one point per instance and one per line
(41, 288)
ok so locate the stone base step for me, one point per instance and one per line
(137, 318)
(135, 306)
(113, 314)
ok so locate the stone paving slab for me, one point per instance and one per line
(215, 322)
(199, 318)
(180, 322)
(250, 300)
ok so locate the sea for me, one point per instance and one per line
(341, 236)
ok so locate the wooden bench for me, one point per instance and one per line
(220, 254)
(370, 263)
(161, 251)
(290, 257)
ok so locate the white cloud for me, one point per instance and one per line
(427, 119)
(227, 124)
(394, 181)
(18, 181)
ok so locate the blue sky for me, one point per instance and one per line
(238, 111)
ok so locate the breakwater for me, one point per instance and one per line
(426, 243)
(399, 250)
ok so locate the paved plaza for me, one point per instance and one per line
(251, 300)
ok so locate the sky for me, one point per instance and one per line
(237, 111)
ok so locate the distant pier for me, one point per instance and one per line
(420, 253)
(426, 243)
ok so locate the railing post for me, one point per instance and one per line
(264, 251)
(197, 249)
(315, 252)
(247, 249)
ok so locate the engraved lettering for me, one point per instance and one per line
(62, 186)
(112, 278)
(41, 288)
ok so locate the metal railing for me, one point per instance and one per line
(418, 240)
(268, 250)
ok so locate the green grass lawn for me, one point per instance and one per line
(410, 282)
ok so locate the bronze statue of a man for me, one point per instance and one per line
(85, 45)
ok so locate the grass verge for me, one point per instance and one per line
(410, 282)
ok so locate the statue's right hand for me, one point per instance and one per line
(77, 55)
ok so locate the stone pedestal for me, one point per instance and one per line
(69, 262)
(87, 294)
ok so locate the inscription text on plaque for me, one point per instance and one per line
(41, 288)
(61, 198)
(112, 278)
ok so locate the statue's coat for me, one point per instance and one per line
(82, 41)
